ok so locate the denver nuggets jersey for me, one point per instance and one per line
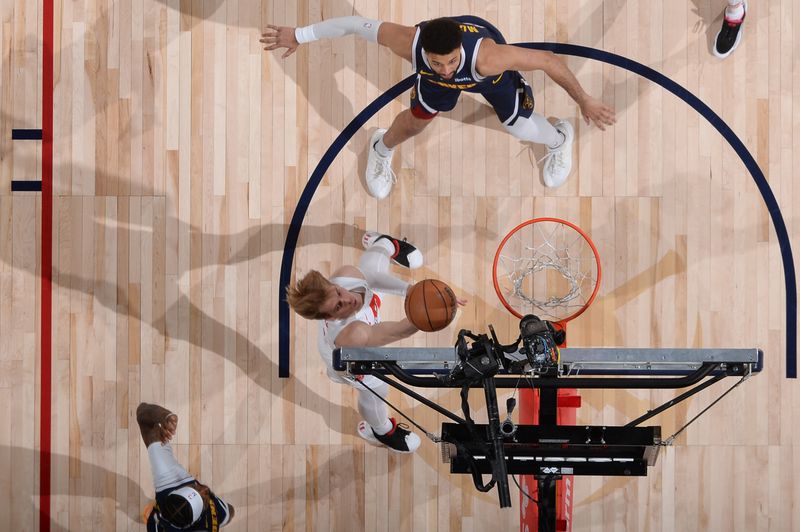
(219, 515)
(466, 78)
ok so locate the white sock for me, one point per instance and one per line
(734, 12)
(383, 429)
(372, 408)
(374, 264)
(384, 244)
(536, 129)
(381, 148)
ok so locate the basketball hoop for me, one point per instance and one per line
(564, 260)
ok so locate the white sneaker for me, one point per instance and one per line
(380, 176)
(399, 439)
(558, 161)
(400, 251)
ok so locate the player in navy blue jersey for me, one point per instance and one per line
(182, 503)
(451, 55)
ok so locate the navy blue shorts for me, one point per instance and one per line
(509, 94)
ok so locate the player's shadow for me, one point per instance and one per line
(85, 480)
(332, 477)
(341, 482)
(204, 330)
(325, 96)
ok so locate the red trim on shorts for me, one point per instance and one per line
(420, 112)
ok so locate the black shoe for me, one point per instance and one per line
(729, 35)
(399, 439)
(404, 254)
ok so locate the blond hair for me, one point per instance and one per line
(308, 295)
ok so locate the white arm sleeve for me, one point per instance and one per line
(339, 27)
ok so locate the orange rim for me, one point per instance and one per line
(580, 231)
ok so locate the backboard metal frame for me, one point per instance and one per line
(595, 368)
(549, 450)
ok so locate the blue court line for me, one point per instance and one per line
(26, 134)
(303, 203)
(26, 186)
(727, 133)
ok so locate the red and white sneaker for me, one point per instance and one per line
(729, 35)
(403, 254)
(399, 439)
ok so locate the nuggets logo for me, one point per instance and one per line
(468, 28)
(527, 102)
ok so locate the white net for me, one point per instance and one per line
(546, 268)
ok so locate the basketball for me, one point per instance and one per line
(430, 305)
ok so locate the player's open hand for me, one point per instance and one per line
(275, 37)
(167, 428)
(594, 110)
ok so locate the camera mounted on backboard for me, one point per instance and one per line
(540, 340)
(477, 360)
(481, 357)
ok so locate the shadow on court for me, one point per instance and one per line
(82, 480)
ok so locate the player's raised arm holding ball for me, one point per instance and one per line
(348, 309)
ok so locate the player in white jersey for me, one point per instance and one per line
(348, 309)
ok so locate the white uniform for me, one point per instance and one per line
(369, 313)
(371, 407)
(372, 391)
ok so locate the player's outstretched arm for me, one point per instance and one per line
(359, 334)
(276, 37)
(496, 58)
(394, 36)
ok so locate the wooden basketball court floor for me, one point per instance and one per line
(180, 150)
